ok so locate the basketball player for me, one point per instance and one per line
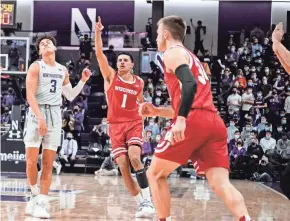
(282, 53)
(197, 132)
(45, 82)
(124, 91)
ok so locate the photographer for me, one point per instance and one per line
(99, 134)
(265, 172)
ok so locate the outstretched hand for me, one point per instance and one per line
(278, 33)
(99, 26)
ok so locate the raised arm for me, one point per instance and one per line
(282, 53)
(107, 71)
(67, 90)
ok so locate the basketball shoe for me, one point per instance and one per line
(41, 209)
(29, 209)
(145, 210)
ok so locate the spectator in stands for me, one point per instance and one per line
(253, 135)
(68, 151)
(240, 81)
(248, 101)
(260, 103)
(6, 117)
(268, 143)
(261, 126)
(265, 87)
(231, 130)
(86, 47)
(152, 127)
(258, 33)
(111, 57)
(9, 98)
(80, 64)
(247, 131)
(147, 97)
(233, 141)
(238, 150)
(265, 171)
(283, 143)
(233, 56)
(146, 147)
(256, 48)
(277, 135)
(77, 118)
(81, 103)
(279, 84)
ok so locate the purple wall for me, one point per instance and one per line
(56, 15)
(233, 16)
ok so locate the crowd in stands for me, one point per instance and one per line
(251, 85)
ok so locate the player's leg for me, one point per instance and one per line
(32, 141)
(131, 185)
(157, 174)
(214, 155)
(146, 208)
(218, 179)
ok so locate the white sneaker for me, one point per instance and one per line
(58, 169)
(29, 210)
(145, 210)
(40, 210)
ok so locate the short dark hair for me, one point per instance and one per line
(128, 54)
(46, 36)
(176, 25)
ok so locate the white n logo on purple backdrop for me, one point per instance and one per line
(78, 20)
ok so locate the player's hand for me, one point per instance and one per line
(42, 126)
(86, 74)
(178, 129)
(99, 27)
(147, 110)
(278, 33)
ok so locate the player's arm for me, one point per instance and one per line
(67, 90)
(106, 70)
(177, 61)
(31, 89)
(283, 55)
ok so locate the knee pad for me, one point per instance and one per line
(142, 178)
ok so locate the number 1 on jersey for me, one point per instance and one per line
(124, 100)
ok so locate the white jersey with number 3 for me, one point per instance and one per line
(50, 83)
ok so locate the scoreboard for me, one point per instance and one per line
(8, 14)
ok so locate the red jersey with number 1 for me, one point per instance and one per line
(203, 96)
(122, 99)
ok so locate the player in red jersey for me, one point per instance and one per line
(197, 132)
(124, 92)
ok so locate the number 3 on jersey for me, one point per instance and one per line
(202, 77)
(53, 86)
(124, 101)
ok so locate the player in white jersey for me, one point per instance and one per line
(46, 81)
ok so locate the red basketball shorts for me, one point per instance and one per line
(125, 134)
(205, 142)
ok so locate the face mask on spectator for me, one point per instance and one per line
(267, 70)
(279, 129)
(69, 136)
(83, 57)
(237, 136)
(282, 115)
(284, 138)
(278, 72)
(163, 87)
(267, 128)
(253, 69)
(263, 121)
(275, 92)
(283, 121)
(104, 106)
(167, 124)
(233, 49)
(246, 68)
(250, 84)
(253, 142)
(239, 143)
(268, 136)
(149, 134)
(158, 94)
(259, 94)
(104, 123)
(248, 128)
(150, 86)
(10, 91)
(250, 90)
(157, 101)
(6, 110)
(232, 124)
(76, 110)
(151, 123)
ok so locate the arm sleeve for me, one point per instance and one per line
(71, 93)
(189, 86)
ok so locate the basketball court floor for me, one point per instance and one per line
(84, 198)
